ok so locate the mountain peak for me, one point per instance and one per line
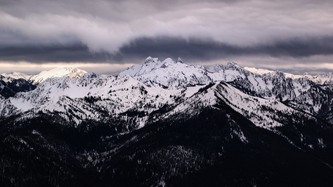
(233, 64)
(168, 73)
(58, 72)
(151, 60)
(168, 60)
(180, 60)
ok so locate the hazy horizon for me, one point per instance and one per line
(114, 69)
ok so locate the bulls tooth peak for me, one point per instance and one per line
(180, 60)
(233, 64)
(151, 60)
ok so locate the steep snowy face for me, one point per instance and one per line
(168, 73)
(300, 91)
(57, 72)
(267, 113)
(149, 65)
(264, 113)
(260, 83)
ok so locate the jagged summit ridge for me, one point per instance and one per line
(168, 73)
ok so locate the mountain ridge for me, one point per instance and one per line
(169, 78)
(224, 125)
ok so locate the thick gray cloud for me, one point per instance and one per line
(118, 31)
(53, 53)
(107, 25)
(196, 49)
(191, 49)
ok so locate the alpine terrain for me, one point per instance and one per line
(166, 123)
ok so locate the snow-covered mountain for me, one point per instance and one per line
(168, 73)
(166, 122)
(42, 76)
(155, 84)
(15, 82)
(57, 72)
(14, 75)
(303, 92)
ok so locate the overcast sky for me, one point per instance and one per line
(109, 35)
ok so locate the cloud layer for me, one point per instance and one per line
(193, 49)
(116, 31)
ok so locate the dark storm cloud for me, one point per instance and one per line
(45, 54)
(203, 50)
(298, 47)
(191, 49)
